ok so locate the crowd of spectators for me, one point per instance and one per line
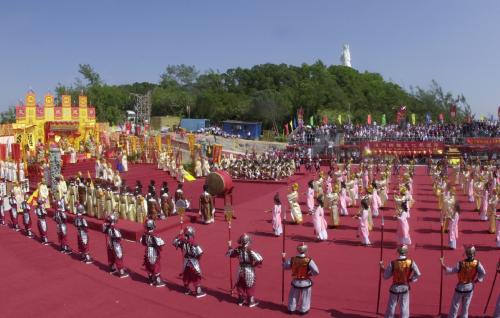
(446, 132)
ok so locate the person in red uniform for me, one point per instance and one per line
(249, 259)
(469, 272)
(403, 271)
(191, 272)
(114, 246)
(303, 268)
(153, 246)
(82, 234)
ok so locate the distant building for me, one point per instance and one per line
(245, 129)
(194, 124)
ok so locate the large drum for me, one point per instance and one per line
(219, 182)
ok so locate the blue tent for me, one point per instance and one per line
(245, 129)
(193, 124)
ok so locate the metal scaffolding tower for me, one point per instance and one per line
(143, 108)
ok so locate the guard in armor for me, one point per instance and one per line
(82, 234)
(469, 271)
(403, 271)
(191, 273)
(153, 246)
(62, 229)
(41, 213)
(249, 259)
(25, 210)
(207, 207)
(113, 246)
(13, 211)
(303, 268)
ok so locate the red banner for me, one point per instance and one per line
(453, 111)
(20, 112)
(3, 151)
(16, 152)
(404, 147)
(40, 112)
(75, 113)
(91, 112)
(58, 113)
(483, 141)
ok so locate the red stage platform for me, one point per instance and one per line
(346, 286)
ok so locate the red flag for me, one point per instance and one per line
(453, 111)
(369, 119)
(325, 120)
(286, 129)
(441, 117)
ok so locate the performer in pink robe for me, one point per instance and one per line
(319, 221)
(310, 197)
(403, 228)
(470, 190)
(277, 227)
(365, 179)
(453, 227)
(329, 187)
(363, 228)
(375, 200)
(344, 199)
(484, 204)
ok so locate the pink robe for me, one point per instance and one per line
(344, 201)
(320, 224)
(470, 190)
(498, 233)
(363, 229)
(375, 202)
(453, 231)
(484, 207)
(277, 227)
(365, 179)
(403, 229)
(310, 199)
(329, 188)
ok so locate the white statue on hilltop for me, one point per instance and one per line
(345, 58)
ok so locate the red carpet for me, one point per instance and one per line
(38, 281)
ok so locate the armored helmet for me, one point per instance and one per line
(244, 239)
(302, 248)
(470, 251)
(150, 225)
(189, 231)
(403, 249)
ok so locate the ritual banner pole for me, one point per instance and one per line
(228, 215)
(381, 260)
(492, 287)
(283, 255)
(441, 276)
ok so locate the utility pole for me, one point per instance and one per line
(142, 107)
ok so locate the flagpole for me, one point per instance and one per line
(283, 256)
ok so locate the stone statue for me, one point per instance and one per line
(345, 58)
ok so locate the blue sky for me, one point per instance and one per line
(455, 42)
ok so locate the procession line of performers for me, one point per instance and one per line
(402, 270)
(101, 198)
(479, 182)
(266, 166)
(343, 188)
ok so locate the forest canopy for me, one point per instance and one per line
(271, 93)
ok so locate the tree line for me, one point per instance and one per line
(270, 93)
